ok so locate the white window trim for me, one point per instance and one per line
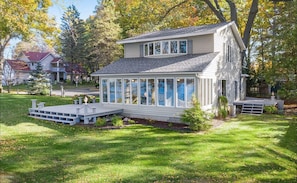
(161, 48)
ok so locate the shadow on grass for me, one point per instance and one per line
(289, 140)
(139, 153)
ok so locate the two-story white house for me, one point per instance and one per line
(162, 70)
(50, 64)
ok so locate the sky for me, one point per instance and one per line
(84, 7)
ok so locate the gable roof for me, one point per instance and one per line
(35, 56)
(18, 65)
(143, 65)
(185, 32)
(56, 60)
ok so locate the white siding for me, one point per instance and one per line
(46, 62)
(228, 70)
(203, 44)
(132, 50)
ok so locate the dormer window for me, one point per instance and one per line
(168, 47)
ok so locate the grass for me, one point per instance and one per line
(68, 85)
(244, 149)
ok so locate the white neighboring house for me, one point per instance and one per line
(161, 71)
(15, 72)
(50, 64)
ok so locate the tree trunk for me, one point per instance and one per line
(1, 66)
(252, 15)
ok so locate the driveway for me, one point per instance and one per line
(73, 92)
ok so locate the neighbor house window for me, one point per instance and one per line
(165, 47)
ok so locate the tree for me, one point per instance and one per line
(21, 19)
(138, 16)
(104, 32)
(39, 83)
(71, 37)
(284, 66)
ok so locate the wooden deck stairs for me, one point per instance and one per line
(252, 108)
(58, 117)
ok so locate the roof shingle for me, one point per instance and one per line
(35, 56)
(175, 33)
(18, 65)
(185, 63)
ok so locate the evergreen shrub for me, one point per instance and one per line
(197, 119)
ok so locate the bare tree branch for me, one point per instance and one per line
(215, 11)
(172, 8)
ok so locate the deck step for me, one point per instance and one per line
(252, 108)
(58, 118)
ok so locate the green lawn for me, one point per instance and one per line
(245, 149)
(68, 85)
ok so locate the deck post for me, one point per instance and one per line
(34, 103)
(79, 100)
(86, 109)
(77, 111)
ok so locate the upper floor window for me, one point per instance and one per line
(165, 47)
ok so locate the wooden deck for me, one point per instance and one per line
(256, 105)
(73, 113)
(250, 100)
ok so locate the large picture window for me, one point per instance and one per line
(165, 47)
(161, 90)
(134, 90)
(104, 90)
(167, 92)
(143, 91)
(119, 97)
(127, 91)
(190, 91)
(151, 92)
(185, 91)
(112, 90)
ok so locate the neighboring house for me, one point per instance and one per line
(15, 72)
(162, 70)
(75, 72)
(50, 64)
